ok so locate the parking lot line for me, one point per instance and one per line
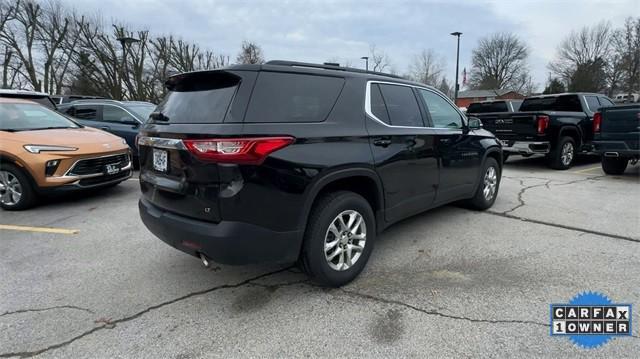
(38, 229)
(587, 169)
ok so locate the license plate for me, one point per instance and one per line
(111, 169)
(160, 160)
(504, 143)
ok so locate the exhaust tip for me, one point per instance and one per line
(205, 261)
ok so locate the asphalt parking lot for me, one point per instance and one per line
(447, 283)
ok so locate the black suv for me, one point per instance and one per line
(292, 161)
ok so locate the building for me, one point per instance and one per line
(465, 98)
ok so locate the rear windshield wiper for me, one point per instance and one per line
(158, 116)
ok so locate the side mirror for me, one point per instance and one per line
(475, 123)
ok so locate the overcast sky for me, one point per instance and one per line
(317, 31)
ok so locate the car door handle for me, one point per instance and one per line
(382, 142)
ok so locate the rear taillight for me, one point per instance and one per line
(543, 124)
(236, 150)
(597, 122)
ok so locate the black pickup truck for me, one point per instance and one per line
(616, 137)
(558, 126)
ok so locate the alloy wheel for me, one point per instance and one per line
(10, 188)
(345, 240)
(567, 154)
(490, 183)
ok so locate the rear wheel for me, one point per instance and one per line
(339, 238)
(614, 165)
(16, 192)
(488, 187)
(561, 158)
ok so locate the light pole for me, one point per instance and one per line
(124, 40)
(457, 34)
(366, 59)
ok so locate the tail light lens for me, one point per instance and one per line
(543, 124)
(237, 150)
(597, 122)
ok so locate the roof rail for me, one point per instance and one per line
(328, 66)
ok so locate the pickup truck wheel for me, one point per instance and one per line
(339, 238)
(563, 155)
(614, 165)
(16, 192)
(488, 187)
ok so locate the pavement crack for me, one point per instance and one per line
(440, 314)
(563, 226)
(46, 309)
(112, 323)
(521, 202)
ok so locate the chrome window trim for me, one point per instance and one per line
(369, 113)
(160, 142)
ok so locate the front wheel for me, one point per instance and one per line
(339, 238)
(614, 165)
(16, 192)
(488, 187)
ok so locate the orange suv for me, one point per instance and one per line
(42, 151)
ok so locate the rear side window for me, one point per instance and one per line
(285, 97)
(592, 102)
(198, 97)
(477, 107)
(402, 105)
(378, 107)
(86, 113)
(569, 103)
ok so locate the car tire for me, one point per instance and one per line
(564, 154)
(488, 187)
(13, 178)
(328, 266)
(614, 165)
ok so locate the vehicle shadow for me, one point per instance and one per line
(518, 161)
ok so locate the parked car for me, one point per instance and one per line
(558, 126)
(617, 137)
(292, 161)
(42, 151)
(627, 98)
(40, 97)
(486, 108)
(60, 99)
(122, 118)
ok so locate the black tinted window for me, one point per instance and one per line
(86, 112)
(443, 114)
(281, 97)
(570, 103)
(198, 97)
(402, 105)
(592, 102)
(487, 107)
(378, 107)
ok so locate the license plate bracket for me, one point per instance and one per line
(160, 160)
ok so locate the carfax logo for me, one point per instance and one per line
(590, 319)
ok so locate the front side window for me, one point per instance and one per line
(25, 117)
(402, 105)
(442, 113)
(115, 114)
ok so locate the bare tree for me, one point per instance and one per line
(250, 53)
(378, 59)
(583, 57)
(53, 27)
(9, 71)
(427, 67)
(500, 62)
(626, 43)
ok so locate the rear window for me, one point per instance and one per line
(569, 103)
(196, 97)
(477, 107)
(285, 97)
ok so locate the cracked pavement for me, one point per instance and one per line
(447, 283)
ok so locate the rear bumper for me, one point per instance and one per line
(528, 147)
(225, 242)
(615, 149)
